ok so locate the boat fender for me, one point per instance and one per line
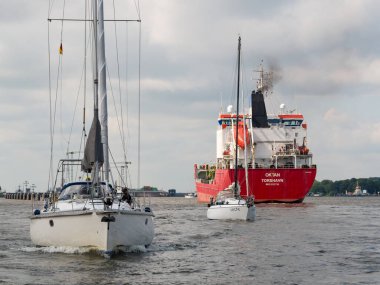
(147, 209)
(36, 212)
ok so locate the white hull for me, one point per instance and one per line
(86, 229)
(231, 212)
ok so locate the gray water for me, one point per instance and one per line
(322, 241)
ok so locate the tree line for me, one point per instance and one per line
(341, 187)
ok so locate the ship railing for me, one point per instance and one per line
(287, 165)
(291, 153)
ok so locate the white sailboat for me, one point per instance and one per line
(229, 205)
(90, 213)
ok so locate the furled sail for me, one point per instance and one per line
(93, 151)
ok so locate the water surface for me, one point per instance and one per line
(322, 241)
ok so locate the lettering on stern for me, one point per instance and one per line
(272, 179)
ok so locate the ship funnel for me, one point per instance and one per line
(259, 112)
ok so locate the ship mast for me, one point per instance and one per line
(237, 122)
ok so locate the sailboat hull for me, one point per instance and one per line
(103, 230)
(231, 212)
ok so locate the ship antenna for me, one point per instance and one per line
(265, 81)
(260, 82)
(237, 121)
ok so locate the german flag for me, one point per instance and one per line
(60, 49)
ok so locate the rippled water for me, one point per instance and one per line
(322, 241)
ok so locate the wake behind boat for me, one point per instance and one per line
(90, 212)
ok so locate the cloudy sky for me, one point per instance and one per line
(326, 55)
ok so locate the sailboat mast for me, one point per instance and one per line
(237, 120)
(102, 69)
(95, 58)
(96, 83)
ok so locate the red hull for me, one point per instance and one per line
(266, 184)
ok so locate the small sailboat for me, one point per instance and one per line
(90, 212)
(229, 205)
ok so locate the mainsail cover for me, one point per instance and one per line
(93, 151)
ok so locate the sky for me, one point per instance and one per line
(325, 54)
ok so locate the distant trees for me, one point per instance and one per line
(340, 187)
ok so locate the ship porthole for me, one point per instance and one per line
(146, 221)
(51, 223)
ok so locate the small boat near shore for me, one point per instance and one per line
(190, 195)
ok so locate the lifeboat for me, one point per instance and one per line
(303, 150)
(241, 129)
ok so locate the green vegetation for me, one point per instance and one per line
(340, 187)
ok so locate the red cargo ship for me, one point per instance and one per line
(273, 158)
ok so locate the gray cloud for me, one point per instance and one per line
(326, 57)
